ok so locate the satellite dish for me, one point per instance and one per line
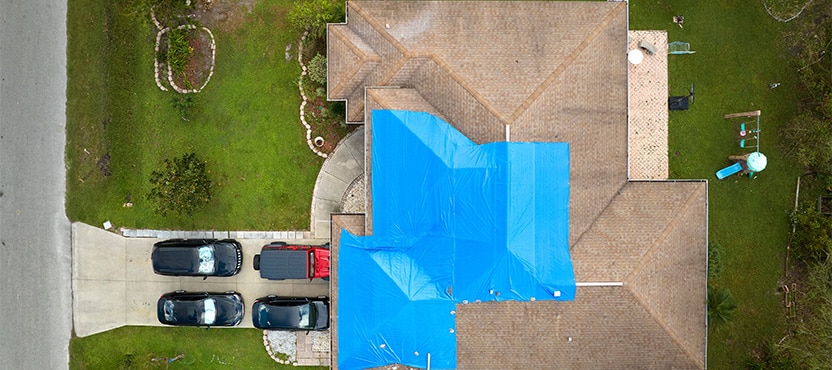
(635, 56)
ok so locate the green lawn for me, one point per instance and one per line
(137, 347)
(739, 53)
(245, 123)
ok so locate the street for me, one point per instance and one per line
(35, 263)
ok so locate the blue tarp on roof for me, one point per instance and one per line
(453, 222)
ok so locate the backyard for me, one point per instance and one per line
(739, 53)
(245, 125)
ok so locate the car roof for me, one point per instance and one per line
(284, 264)
(285, 314)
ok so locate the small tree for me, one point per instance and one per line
(313, 15)
(721, 306)
(809, 137)
(317, 69)
(813, 230)
(181, 186)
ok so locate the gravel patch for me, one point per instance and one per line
(282, 346)
(354, 198)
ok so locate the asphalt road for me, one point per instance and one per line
(35, 258)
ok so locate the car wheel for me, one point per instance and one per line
(321, 297)
(278, 244)
(230, 292)
(257, 262)
(179, 291)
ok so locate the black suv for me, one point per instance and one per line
(291, 313)
(183, 308)
(197, 257)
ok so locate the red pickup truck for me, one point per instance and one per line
(280, 261)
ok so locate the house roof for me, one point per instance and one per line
(551, 71)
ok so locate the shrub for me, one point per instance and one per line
(811, 345)
(809, 137)
(183, 103)
(721, 306)
(313, 15)
(181, 186)
(714, 260)
(317, 69)
(811, 241)
(168, 12)
(179, 51)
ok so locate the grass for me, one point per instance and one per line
(245, 124)
(738, 55)
(137, 347)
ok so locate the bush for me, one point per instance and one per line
(313, 15)
(721, 306)
(714, 260)
(811, 345)
(317, 69)
(168, 12)
(183, 103)
(179, 51)
(811, 240)
(181, 186)
(809, 136)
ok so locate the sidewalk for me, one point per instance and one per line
(339, 171)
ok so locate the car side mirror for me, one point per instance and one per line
(204, 277)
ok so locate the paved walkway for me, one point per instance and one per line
(648, 109)
(338, 172)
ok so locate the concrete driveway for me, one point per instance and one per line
(114, 285)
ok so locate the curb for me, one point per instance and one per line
(213, 234)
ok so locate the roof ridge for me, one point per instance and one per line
(407, 55)
(662, 324)
(566, 63)
(377, 27)
(663, 235)
(673, 222)
(603, 210)
(362, 57)
(464, 84)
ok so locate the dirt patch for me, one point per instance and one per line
(198, 68)
(325, 123)
(223, 15)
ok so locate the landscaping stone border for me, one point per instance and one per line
(157, 65)
(303, 73)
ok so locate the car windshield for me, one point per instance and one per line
(209, 311)
(311, 264)
(307, 313)
(207, 262)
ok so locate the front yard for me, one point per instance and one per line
(245, 123)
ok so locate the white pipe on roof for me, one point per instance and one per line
(601, 283)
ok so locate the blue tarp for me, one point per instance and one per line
(453, 222)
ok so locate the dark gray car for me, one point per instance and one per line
(183, 308)
(197, 257)
(291, 313)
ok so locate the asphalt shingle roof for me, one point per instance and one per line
(552, 71)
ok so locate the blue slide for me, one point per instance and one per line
(728, 171)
